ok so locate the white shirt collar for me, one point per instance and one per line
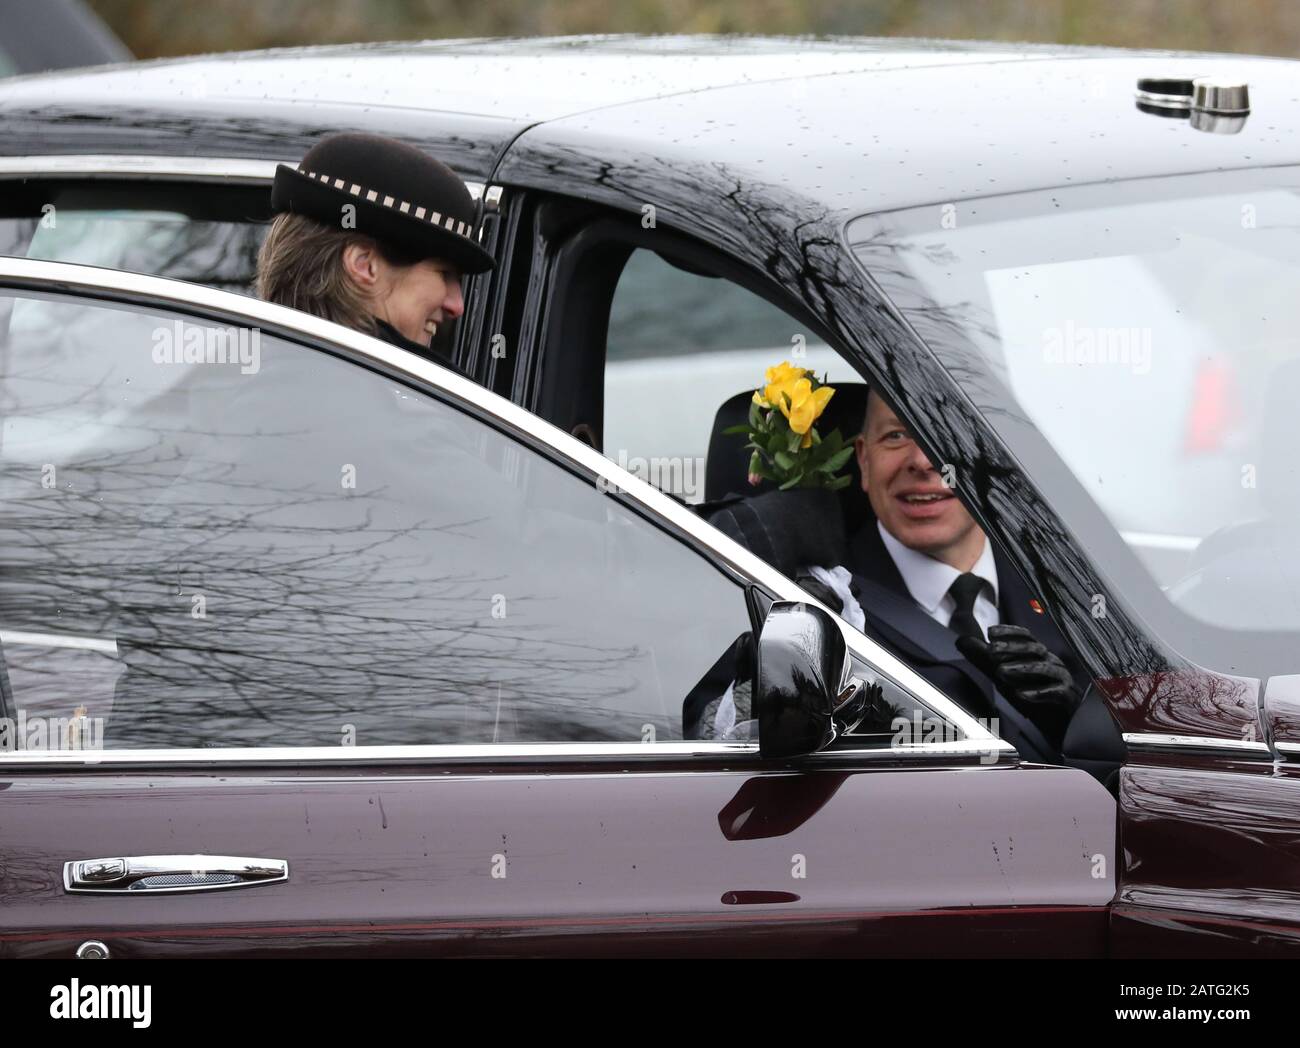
(927, 579)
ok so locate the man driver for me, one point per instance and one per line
(932, 588)
(923, 579)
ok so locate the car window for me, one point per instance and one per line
(680, 345)
(205, 234)
(1143, 328)
(214, 537)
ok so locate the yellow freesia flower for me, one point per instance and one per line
(794, 392)
(806, 406)
(784, 372)
(780, 379)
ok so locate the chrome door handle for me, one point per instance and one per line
(170, 873)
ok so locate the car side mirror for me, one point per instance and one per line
(804, 696)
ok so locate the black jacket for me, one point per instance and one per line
(792, 530)
(895, 619)
(390, 334)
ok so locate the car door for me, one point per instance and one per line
(311, 646)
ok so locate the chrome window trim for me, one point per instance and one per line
(58, 640)
(440, 754)
(63, 277)
(240, 170)
(1145, 740)
(617, 753)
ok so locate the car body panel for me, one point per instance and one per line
(640, 858)
(1211, 856)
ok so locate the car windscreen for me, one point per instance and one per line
(1150, 331)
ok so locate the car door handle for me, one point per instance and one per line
(170, 873)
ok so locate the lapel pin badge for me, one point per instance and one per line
(1033, 603)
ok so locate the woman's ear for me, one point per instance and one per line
(361, 263)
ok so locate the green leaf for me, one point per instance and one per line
(837, 461)
(785, 461)
(733, 430)
(792, 445)
(826, 451)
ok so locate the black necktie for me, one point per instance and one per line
(964, 589)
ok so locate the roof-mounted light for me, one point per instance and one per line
(1215, 104)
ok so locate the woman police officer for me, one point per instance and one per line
(373, 234)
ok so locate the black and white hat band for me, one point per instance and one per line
(444, 222)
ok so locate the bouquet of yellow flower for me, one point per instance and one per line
(787, 448)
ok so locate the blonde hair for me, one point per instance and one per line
(300, 265)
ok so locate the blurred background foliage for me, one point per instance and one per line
(154, 28)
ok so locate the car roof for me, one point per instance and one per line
(522, 79)
(855, 124)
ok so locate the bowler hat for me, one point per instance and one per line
(400, 196)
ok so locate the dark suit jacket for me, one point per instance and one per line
(895, 619)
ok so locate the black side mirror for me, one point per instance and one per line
(805, 697)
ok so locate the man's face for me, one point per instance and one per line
(908, 494)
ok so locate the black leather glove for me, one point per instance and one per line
(1034, 680)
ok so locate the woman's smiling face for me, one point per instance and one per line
(414, 299)
(420, 297)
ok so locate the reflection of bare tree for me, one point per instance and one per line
(1188, 701)
(304, 627)
(256, 601)
(219, 254)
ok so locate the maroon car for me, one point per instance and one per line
(310, 646)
